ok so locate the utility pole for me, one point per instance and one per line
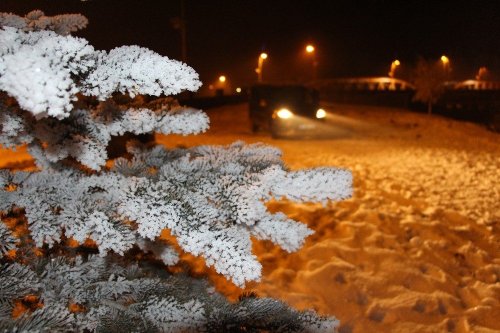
(183, 32)
(179, 23)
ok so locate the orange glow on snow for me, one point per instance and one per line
(415, 249)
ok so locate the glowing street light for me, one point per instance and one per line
(394, 65)
(258, 70)
(310, 49)
(446, 64)
(220, 85)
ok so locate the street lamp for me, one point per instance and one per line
(445, 61)
(394, 65)
(221, 85)
(262, 57)
(446, 64)
(310, 49)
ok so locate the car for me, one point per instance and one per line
(285, 110)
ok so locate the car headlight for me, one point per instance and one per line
(320, 114)
(284, 113)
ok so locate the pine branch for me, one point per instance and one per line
(6, 308)
(7, 241)
(115, 298)
(46, 319)
(36, 20)
(212, 199)
(16, 281)
(40, 69)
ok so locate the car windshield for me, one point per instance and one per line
(276, 96)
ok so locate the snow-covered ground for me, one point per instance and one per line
(417, 249)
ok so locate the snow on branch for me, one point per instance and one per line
(7, 241)
(161, 250)
(171, 316)
(47, 319)
(320, 184)
(16, 280)
(139, 121)
(281, 230)
(36, 20)
(85, 135)
(136, 70)
(114, 298)
(211, 198)
(228, 250)
(37, 69)
(14, 131)
(44, 71)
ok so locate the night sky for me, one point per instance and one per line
(353, 38)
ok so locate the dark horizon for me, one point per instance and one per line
(352, 38)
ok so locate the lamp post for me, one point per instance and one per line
(445, 61)
(311, 50)
(258, 70)
(394, 65)
(179, 23)
(221, 85)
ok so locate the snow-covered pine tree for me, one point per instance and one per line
(56, 98)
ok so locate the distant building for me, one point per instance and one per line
(471, 100)
(473, 85)
(366, 83)
(381, 91)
